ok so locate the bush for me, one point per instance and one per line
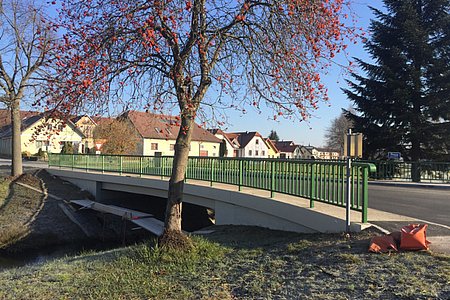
(67, 148)
(26, 154)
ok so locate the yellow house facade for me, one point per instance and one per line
(273, 150)
(38, 133)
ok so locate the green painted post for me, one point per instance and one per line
(140, 166)
(312, 191)
(120, 164)
(59, 161)
(365, 194)
(73, 161)
(212, 172)
(87, 162)
(272, 179)
(241, 171)
(103, 164)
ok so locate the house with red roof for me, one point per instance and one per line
(158, 134)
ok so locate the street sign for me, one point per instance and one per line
(394, 155)
(356, 142)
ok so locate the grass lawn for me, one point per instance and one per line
(238, 262)
(18, 206)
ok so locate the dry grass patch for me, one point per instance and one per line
(20, 205)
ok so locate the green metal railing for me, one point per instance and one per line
(314, 180)
(438, 172)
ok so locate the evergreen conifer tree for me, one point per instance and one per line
(403, 102)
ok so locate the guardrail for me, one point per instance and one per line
(438, 172)
(314, 180)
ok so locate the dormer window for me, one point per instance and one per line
(257, 142)
(168, 131)
(157, 130)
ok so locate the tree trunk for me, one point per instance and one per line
(176, 183)
(16, 124)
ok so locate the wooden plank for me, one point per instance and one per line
(151, 224)
(126, 213)
(144, 220)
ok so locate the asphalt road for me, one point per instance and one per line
(429, 204)
(30, 164)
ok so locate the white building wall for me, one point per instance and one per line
(50, 140)
(256, 148)
(166, 148)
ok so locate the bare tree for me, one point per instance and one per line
(24, 47)
(200, 57)
(118, 135)
(335, 134)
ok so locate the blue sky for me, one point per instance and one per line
(313, 132)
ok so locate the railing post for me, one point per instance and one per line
(73, 161)
(212, 171)
(272, 179)
(241, 171)
(59, 161)
(312, 191)
(140, 166)
(161, 164)
(365, 202)
(87, 162)
(103, 164)
(120, 164)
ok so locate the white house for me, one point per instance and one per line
(41, 133)
(288, 149)
(158, 134)
(248, 144)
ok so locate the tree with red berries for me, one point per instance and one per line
(200, 56)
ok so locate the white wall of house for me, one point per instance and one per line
(256, 148)
(46, 139)
(50, 139)
(229, 148)
(162, 147)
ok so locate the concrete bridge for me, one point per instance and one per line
(233, 206)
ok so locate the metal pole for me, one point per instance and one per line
(348, 187)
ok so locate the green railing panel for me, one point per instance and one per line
(425, 171)
(322, 181)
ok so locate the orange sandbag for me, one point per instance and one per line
(414, 237)
(380, 244)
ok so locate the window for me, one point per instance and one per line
(249, 152)
(172, 147)
(256, 152)
(257, 143)
(154, 146)
(157, 130)
(168, 131)
(202, 146)
(263, 153)
(42, 144)
(49, 127)
(60, 127)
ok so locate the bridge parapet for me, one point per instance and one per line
(318, 181)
